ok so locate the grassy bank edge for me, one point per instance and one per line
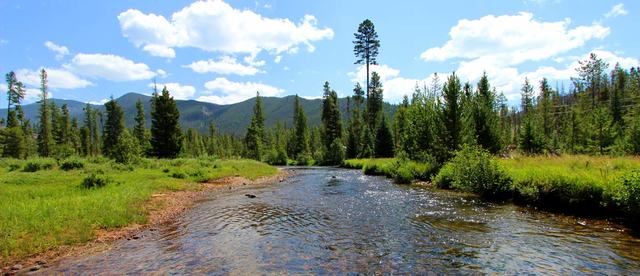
(161, 182)
(583, 185)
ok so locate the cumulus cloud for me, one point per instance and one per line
(395, 86)
(617, 10)
(509, 79)
(109, 67)
(499, 45)
(226, 65)
(60, 51)
(99, 102)
(57, 78)
(159, 51)
(178, 91)
(513, 39)
(217, 26)
(224, 91)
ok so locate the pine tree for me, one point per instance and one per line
(401, 127)
(140, 121)
(355, 124)
(544, 103)
(367, 141)
(531, 141)
(331, 123)
(166, 136)
(212, 141)
(526, 98)
(590, 76)
(90, 133)
(384, 146)
(255, 137)
(452, 112)
(301, 133)
(15, 91)
(45, 139)
(113, 128)
(366, 46)
(374, 101)
(485, 118)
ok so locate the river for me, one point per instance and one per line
(336, 221)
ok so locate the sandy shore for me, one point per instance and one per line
(162, 208)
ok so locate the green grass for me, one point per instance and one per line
(578, 182)
(572, 183)
(48, 208)
(402, 171)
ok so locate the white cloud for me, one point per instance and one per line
(57, 78)
(225, 65)
(60, 51)
(109, 67)
(162, 73)
(277, 59)
(100, 102)
(159, 50)
(178, 91)
(509, 79)
(498, 45)
(395, 87)
(217, 26)
(224, 91)
(513, 39)
(617, 10)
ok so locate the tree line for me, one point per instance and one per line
(600, 114)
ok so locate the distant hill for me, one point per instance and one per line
(232, 118)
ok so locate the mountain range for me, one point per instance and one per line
(231, 118)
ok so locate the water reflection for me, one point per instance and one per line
(339, 221)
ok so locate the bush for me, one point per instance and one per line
(473, 170)
(36, 165)
(404, 174)
(179, 175)
(631, 183)
(95, 181)
(303, 160)
(14, 167)
(276, 157)
(127, 149)
(71, 164)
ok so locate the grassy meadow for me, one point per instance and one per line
(46, 203)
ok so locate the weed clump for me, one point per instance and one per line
(38, 164)
(94, 181)
(71, 164)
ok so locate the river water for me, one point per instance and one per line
(337, 221)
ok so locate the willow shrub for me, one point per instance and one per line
(474, 170)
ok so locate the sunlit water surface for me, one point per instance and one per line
(336, 221)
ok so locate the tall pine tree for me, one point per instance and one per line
(166, 135)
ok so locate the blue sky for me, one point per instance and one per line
(223, 51)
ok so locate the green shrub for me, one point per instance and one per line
(71, 164)
(179, 175)
(95, 181)
(444, 178)
(276, 157)
(14, 167)
(303, 160)
(631, 183)
(473, 170)
(404, 174)
(38, 164)
(127, 149)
